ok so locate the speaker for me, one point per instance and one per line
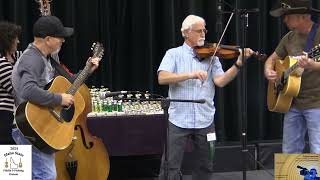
(227, 158)
(266, 151)
(126, 167)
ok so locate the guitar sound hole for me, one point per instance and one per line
(67, 113)
(279, 88)
(280, 85)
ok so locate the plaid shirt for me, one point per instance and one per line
(190, 115)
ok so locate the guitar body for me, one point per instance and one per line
(280, 98)
(42, 128)
(86, 157)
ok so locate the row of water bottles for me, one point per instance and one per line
(120, 105)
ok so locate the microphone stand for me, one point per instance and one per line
(243, 75)
(244, 15)
(165, 103)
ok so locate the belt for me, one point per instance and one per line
(13, 126)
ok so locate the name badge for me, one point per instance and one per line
(211, 137)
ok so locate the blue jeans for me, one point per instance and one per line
(296, 123)
(43, 165)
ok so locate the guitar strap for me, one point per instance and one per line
(60, 70)
(311, 37)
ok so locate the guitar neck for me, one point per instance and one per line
(295, 66)
(290, 70)
(80, 79)
(97, 53)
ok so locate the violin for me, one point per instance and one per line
(223, 51)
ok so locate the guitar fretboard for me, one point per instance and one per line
(98, 53)
(313, 54)
(80, 79)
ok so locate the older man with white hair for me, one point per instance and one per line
(191, 78)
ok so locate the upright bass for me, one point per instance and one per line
(86, 157)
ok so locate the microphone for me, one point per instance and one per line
(253, 10)
(104, 95)
(245, 11)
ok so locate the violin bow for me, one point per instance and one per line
(222, 35)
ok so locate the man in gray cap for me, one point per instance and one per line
(304, 113)
(31, 74)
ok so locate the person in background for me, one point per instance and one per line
(9, 39)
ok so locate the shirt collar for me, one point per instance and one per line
(189, 49)
(31, 45)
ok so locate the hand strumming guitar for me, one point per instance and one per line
(67, 99)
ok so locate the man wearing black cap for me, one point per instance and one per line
(30, 75)
(304, 113)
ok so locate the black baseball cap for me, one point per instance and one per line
(285, 7)
(50, 26)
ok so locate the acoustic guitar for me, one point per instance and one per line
(287, 86)
(51, 129)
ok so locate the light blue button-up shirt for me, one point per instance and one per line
(182, 59)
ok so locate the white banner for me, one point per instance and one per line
(15, 162)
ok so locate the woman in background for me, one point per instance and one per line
(9, 39)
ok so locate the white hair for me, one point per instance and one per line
(189, 21)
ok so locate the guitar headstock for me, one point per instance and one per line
(44, 7)
(314, 53)
(97, 50)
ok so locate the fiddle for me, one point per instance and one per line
(223, 51)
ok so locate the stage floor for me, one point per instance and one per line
(251, 175)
